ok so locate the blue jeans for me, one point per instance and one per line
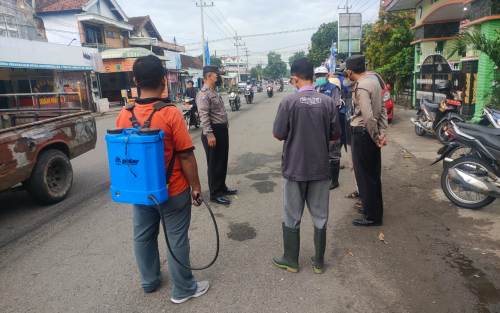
(177, 213)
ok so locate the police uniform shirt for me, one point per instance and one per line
(210, 108)
(369, 109)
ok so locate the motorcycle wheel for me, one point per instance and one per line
(419, 130)
(457, 153)
(459, 194)
(441, 131)
(187, 119)
(198, 122)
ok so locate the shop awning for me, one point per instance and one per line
(20, 53)
(129, 53)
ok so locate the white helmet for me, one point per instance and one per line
(320, 70)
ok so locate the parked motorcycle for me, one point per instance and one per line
(191, 118)
(434, 118)
(270, 91)
(234, 101)
(249, 94)
(473, 180)
(455, 150)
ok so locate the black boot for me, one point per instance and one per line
(318, 260)
(334, 173)
(291, 246)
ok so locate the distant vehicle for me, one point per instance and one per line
(270, 91)
(436, 118)
(234, 101)
(242, 86)
(186, 112)
(36, 146)
(249, 94)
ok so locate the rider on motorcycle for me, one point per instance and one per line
(191, 93)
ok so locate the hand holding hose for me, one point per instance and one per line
(196, 196)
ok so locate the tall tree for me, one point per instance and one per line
(257, 72)
(321, 42)
(388, 48)
(276, 68)
(296, 56)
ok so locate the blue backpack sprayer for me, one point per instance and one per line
(137, 170)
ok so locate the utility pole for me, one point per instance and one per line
(347, 7)
(203, 5)
(246, 55)
(238, 44)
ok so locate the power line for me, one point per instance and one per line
(224, 21)
(258, 35)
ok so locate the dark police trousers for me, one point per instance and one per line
(217, 159)
(366, 158)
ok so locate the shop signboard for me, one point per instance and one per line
(349, 33)
(118, 65)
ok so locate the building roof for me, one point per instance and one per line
(145, 22)
(191, 62)
(59, 5)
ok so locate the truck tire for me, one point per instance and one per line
(51, 178)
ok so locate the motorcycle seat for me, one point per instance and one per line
(492, 141)
(479, 128)
(433, 107)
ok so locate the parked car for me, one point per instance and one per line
(36, 147)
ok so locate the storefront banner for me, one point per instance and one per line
(173, 61)
(118, 65)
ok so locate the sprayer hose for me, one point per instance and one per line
(158, 205)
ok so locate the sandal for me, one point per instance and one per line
(353, 195)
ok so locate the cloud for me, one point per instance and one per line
(181, 18)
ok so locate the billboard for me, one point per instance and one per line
(349, 35)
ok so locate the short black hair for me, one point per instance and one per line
(149, 72)
(356, 63)
(303, 69)
(190, 82)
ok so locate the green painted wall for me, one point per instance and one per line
(486, 70)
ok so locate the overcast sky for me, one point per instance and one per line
(181, 18)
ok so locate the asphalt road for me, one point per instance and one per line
(77, 256)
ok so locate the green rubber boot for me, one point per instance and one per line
(318, 260)
(291, 246)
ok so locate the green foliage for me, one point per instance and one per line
(321, 42)
(215, 61)
(296, 56)
(365, 32)
(388, 48)
(488, 46)
(276, 68)
(257, 72)
(479, 42)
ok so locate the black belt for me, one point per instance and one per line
(358, 129)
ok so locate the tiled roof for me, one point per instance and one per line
(191, 62)
(59, 5)
(138, 21)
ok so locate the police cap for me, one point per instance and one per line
(210, 69)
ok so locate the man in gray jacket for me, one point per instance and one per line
(306, 121)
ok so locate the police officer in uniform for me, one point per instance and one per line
(368, 125)
(215, 136)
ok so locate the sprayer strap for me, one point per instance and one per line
(147, 124)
